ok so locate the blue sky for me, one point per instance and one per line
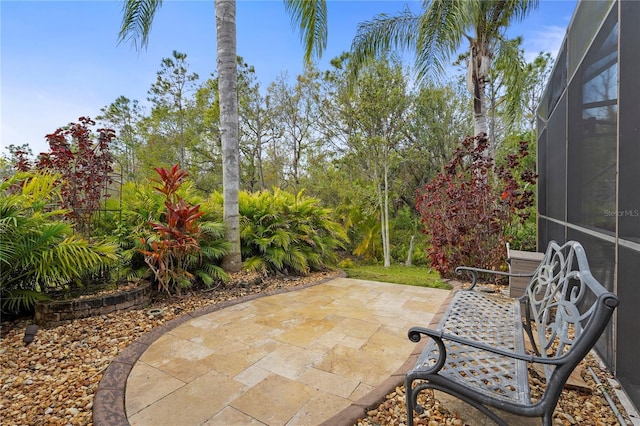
(60, 59)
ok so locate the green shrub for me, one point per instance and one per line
(38, 250)
(347, 263)
(363, 229)
(282, 232)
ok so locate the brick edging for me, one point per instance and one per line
(53, 312)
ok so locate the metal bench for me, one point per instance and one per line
(478, 354)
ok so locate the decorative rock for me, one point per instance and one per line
(64, 364)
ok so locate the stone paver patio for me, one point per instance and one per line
(295, 358)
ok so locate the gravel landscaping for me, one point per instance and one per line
(576, 407)
(52, 381)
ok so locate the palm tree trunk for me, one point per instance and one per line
(228, 80)
(479, 105)
(477, 75)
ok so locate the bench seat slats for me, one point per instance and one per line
(484, 318)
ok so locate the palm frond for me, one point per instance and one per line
(442, 27)
(18, 300)
(297, 260)
(510, 62)
(384, 33)
(214, 250)
(311, 18)
(255, 264)
(137, 17)
(211, 273)
(72, 257)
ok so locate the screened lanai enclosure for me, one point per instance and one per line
(589, 164)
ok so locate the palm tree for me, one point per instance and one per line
(436, 34)
(310, 15)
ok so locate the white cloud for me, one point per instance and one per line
(548, 39)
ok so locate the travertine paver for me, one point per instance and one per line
(295, 358)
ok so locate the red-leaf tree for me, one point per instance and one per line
(468, 208)
(84, 162)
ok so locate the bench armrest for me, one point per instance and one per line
(475, 271)
(415, 334)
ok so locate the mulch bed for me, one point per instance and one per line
(53, 380)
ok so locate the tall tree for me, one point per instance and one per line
(256, 129)
(311, 17)
(170, 89)
(436, 34)
(438, 120)
(206, 161)
(537, 73)
(373, 110)
(123, 115)
(295, 109)
(229, 119)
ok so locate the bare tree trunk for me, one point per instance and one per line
(409, 261)
(228, 80)
(386, 242)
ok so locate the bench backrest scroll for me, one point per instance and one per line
(568, 307)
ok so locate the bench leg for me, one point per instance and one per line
(411, 397)
(408, 395)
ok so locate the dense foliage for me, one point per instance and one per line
(283, 232)
(469, 208)
(39, 251)
(83, 161)
(357, 148)
(173, 251)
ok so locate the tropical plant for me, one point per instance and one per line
(38, 250)
(84, 163)
(436, 34)
(173, 251)
(468, 218)
(311, 17)
(126, 221)
(369, 229)
(287, 233)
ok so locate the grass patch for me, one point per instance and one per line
(398, 274)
